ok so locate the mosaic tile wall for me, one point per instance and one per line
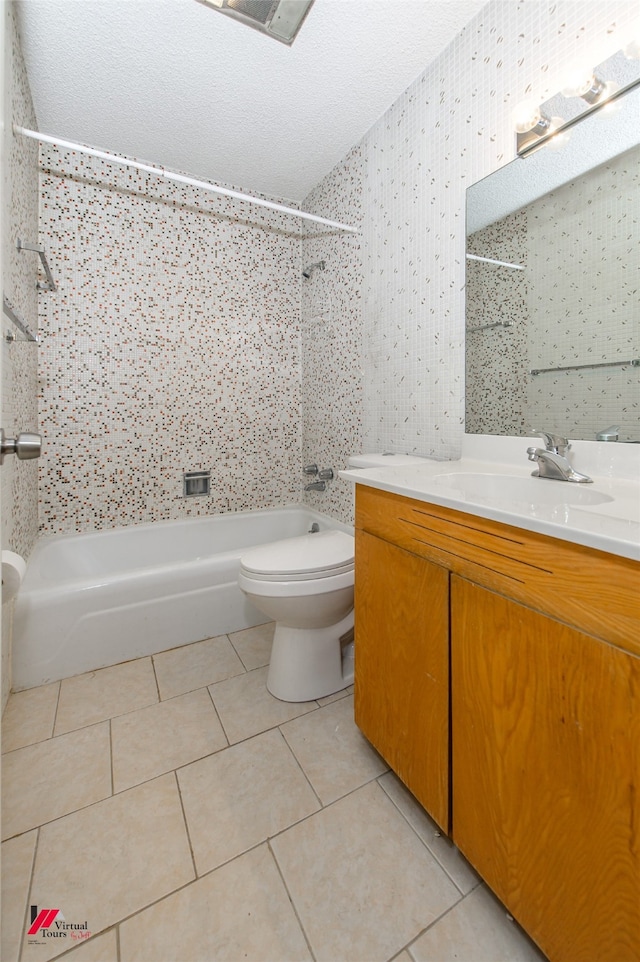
(575, 303)
(583, 244)
(452, 127)
(172, 344)
(496, 358)
(400, 367)
(19, 479)
(331, 316)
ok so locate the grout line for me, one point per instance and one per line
(290, 897)
(28, 902)
(434, 922)
(224, 731)
(426, 845)
(113, 782)
(155, 675)
(55, 714)
(299, 764)
(118, 949)
(186, 826)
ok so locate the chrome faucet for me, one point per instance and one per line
(552, 462)
(316, 486)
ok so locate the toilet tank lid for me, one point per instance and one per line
(309, 552)
(383, 460)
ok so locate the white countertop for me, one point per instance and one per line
(612, 525)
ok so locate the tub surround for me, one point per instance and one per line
(559, 509)
(94, 600)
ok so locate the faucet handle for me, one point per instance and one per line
(611, 433)
(311, 469)
(555, 442)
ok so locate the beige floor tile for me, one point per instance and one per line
(240, 911)
(195, 666)
(29, 716)
(334, 755)
(403, 957)
(17, 862)
(476, 929)
(242, 796)
(254, 645)
(101, 948)
(112, 859)
(162, 737)
(45, 781)
(360, 877)
(97, 695)
(337, 695)
(443, 849)
(246, 707)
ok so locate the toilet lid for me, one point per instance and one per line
(324, 551)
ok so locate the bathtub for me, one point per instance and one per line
(92, 600)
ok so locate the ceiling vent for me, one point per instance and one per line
(280, 19)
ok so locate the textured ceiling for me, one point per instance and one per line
(174, 83)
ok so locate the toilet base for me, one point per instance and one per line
(309, 663)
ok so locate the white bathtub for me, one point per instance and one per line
(92, 600)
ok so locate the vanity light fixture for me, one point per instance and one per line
(528, 117)
(586, 85)
(584, 91)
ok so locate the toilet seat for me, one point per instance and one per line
(305, 558)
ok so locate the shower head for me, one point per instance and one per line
(308, 271)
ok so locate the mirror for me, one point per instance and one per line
(552, 288)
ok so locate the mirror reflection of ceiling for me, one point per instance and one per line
(566, 303)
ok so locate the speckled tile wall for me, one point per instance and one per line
(575, 303)
(142, 334)
(331, 313)
(496, 357)
(19, 479)
(452, 127)
(172, 344)
(583, 242)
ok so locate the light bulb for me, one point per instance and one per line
(527, 116)
(583, 84)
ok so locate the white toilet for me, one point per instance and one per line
(305, 585)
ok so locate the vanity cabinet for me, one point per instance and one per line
(402, 676)
(542, 706)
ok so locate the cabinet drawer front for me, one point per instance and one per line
(594, 591)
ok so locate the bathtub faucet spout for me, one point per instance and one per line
(316, 486)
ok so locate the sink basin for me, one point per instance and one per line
(507, 489)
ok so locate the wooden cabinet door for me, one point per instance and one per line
(402, 666)
(546, 774)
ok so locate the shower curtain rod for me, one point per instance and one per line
(181, 178)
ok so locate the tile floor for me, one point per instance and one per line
(183, 813)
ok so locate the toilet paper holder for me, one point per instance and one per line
(26, 446)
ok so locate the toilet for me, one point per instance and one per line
(305, 585)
